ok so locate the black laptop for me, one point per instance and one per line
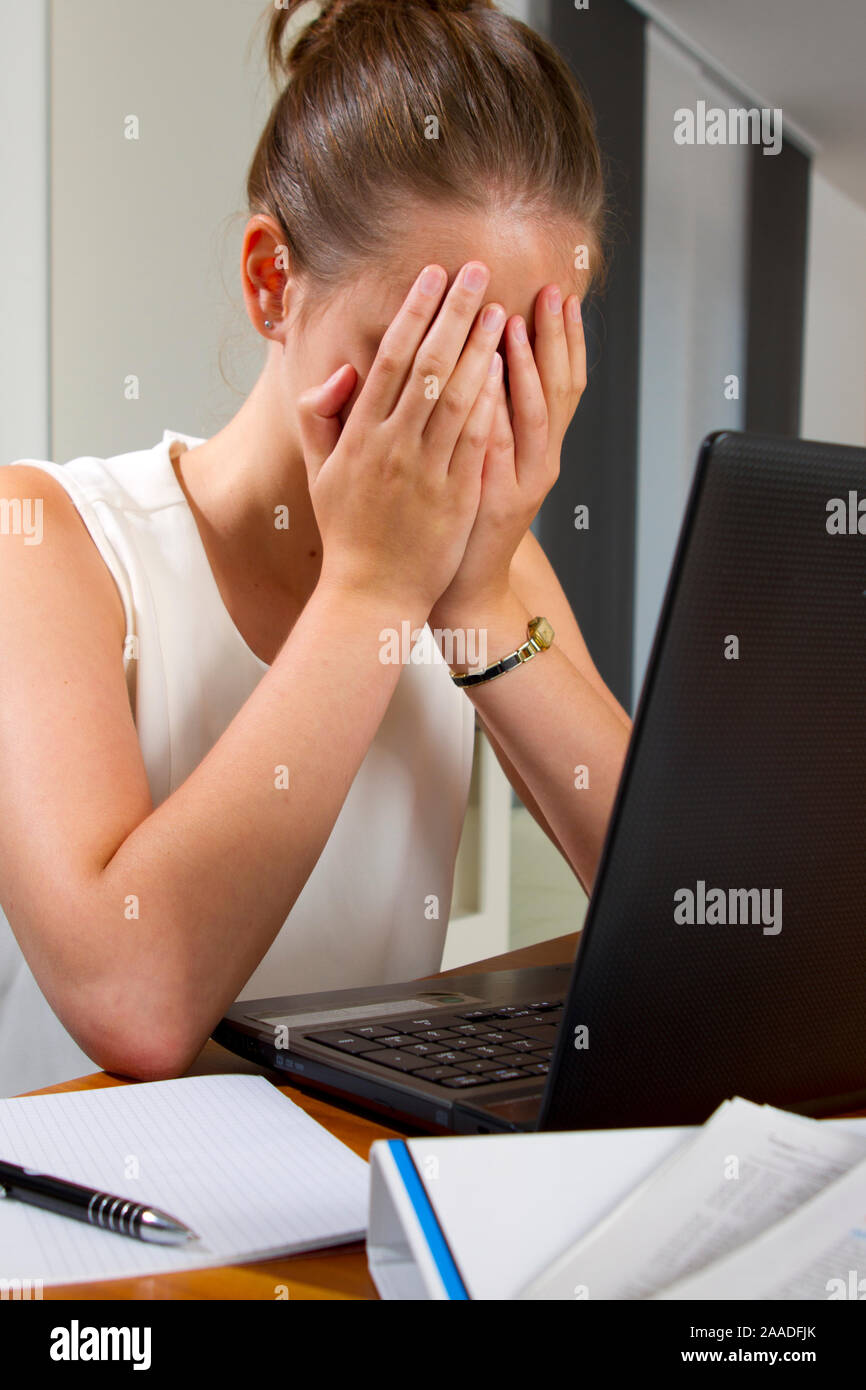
(724, 948)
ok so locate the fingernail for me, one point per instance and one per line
(574, 309)
(474, 277)
(492, 317)
(495, 364)
(520, 332)
(554, 301)
(431, 280)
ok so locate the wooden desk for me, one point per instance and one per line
(340, 1272)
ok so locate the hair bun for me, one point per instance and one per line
(296, 25)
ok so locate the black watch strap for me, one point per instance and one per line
(491, 672)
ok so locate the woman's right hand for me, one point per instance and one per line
(396, 492)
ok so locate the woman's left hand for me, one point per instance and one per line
(523, 453)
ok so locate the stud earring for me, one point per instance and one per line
(268, 323)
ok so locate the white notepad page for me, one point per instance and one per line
(230, 1156)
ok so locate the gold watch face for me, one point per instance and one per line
(541, 631)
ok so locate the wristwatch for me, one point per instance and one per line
(540, 636)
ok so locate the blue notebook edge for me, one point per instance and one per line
(428, 1221)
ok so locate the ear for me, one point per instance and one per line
(265, 275)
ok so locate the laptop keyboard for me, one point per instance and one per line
(481, 1047)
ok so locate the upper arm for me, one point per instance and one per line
(74, 783)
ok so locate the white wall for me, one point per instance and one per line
(834, 357)
(146, 233)
(24, 224)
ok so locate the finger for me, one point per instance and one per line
(453, 410)
(551, 350)
(318, 416)
(499, 470)
(529, 422)
(440, 351)
(399, 345)
(468, 456)
(576, 339)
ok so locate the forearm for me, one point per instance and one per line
(551, 721)
(215, 869)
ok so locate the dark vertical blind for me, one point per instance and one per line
(604, 46)
(778, 222)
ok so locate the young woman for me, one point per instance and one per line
(215, 781)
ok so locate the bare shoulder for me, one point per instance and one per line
(44, 541)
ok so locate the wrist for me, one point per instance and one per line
(492, 625)
(457, 610)
(386, 607)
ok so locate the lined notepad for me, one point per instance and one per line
(230, 1156)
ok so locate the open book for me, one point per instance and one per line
(760, 1204)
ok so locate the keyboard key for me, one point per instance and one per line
(477, 1065)
(395, 1040)
(490, 1050)
(505, 1074)
(345, 1042)
(436, 1035)
(370, 1030)
(400, 1061)
(446, 1059)
(462, 1081)
(536, 1069)
(494, 1036)
(526, 1045)
(425, 1049)
(465, 1029)
(477, 1014)
(544, 1032)
(436, 1073)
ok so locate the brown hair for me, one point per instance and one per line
(346, 145)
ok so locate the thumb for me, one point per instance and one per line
(318, 411)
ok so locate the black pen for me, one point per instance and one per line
(96, 1208)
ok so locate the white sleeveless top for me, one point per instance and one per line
(362, 918)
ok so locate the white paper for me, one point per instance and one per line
(746, 1169)
(229, 1156)
(818, 1252)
